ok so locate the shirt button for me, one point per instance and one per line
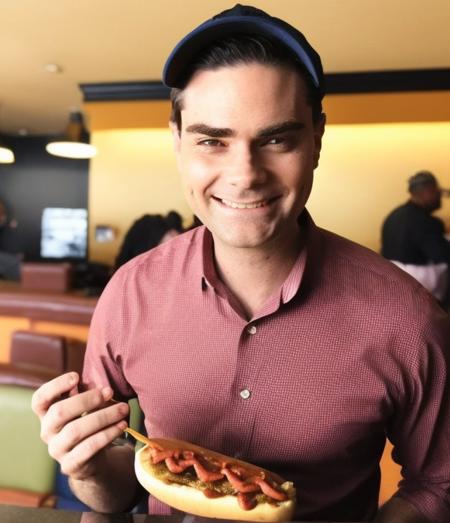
(251, 329)
(245, 394)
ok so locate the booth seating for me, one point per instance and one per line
(49, 351)
(27, 472)
(50, 277)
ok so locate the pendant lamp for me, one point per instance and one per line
(6, 154)
(75, 143)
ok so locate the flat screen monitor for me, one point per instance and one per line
(64, 233)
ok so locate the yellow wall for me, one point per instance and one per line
(363, 172)
(133, 174)
(373, 143)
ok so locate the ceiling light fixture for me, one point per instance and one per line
(75, 143)
(6, 154)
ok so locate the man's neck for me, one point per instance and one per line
(253, 275)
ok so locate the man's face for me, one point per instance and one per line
(247, 150)
(431, 197)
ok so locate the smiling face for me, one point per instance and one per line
(246, 150)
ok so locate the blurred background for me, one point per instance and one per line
(388, 69)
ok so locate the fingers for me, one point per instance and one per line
(98, 423)
(77, 426)
(52, 391)
(76, 463)
(62, 412)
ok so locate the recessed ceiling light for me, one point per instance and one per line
(53, 68)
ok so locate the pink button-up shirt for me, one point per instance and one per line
(348, 350)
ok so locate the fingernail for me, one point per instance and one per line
(122, 425)
(73, 378)
(107, 393)
(123, 408)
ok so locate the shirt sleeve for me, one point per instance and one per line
(421, 423)
(103, 362)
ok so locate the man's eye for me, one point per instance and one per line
(276, 140)
(210, 142)
(280, 143)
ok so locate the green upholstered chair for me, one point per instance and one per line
(27, 472)
(136, 415)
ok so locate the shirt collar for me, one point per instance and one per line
(291, 285)
(209, 273)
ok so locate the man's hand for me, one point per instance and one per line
(77, 427)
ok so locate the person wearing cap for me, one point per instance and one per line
(258, 334)
(415, 240)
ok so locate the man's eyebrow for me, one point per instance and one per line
(214, 132)
(225, 132)
(280, 128)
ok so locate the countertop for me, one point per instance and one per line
(70, 307)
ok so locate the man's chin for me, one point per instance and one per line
(237, 240)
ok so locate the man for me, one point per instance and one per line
(415, 240)
(258, 334)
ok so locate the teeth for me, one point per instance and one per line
(236, 205)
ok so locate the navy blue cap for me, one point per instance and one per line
(241, 19)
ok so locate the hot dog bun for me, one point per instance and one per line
(193, 500)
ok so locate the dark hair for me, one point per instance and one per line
(246, 49)
(421, 180)
(146, 233)
(174, 221)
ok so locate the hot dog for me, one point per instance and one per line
(205, 483)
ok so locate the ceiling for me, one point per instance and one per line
(119, 41)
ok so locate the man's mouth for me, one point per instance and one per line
(244, 205)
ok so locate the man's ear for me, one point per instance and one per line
(319, 129)
(176, 140)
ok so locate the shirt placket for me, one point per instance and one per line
(246, 392)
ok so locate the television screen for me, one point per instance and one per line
(64, 233)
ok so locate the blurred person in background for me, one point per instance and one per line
(147, 232)
(10, 257)
(414, 239)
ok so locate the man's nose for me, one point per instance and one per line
(245, 168)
